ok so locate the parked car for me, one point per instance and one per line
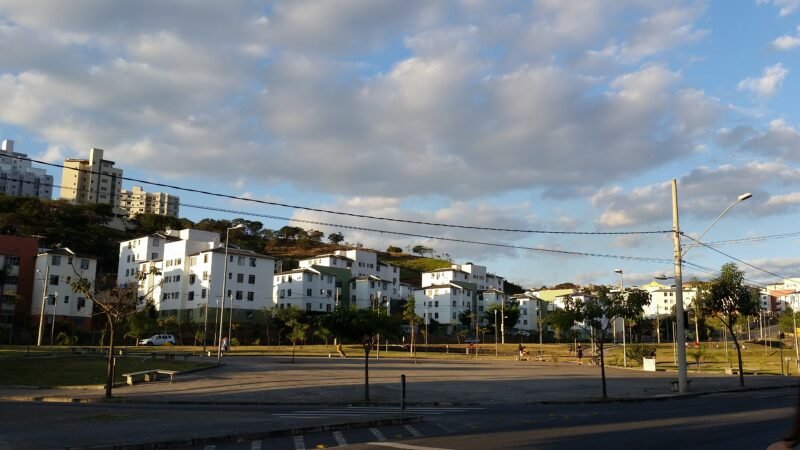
(158, 339)
(520, 333)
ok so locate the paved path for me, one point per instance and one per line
(254, 396)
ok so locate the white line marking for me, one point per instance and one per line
(255, 445)
(299, 444)
(378, 435)
(444, 428)
(340, 440)
(405, 446)
(210, 447)
(412, 430)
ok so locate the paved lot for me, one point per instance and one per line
(269, 394)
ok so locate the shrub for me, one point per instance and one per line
(234, 342)
(637, 352)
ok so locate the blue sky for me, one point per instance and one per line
(539, 115)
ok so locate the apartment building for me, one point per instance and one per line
(17, 259)
(134, 252)
(190, 273)
(56, 270)
(444, 302)
(662, 298)
(93, 180)
(137, 201)
(467, 273)
(531, 309)
(307, 289)
(19, 178)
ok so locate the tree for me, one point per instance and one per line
(421, 250)
(465, 318)
(323, 333)
(410, 316)
(561, 321)
(336, 238)
(362, 326)
(139, 324)
(297, 332)
(393, 249)
(596, 314)
(508, 315)
(728, 299)
(115, 302)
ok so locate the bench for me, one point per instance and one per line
(149, 375)
(146, 375)
(735, 371)
(169, 355)
(675, 383)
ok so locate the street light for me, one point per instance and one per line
(680, 336)
(622, 293)
(224, 286)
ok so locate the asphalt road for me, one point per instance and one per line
(745, 420)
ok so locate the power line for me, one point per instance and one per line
(440, 238)
(755, 238)
(737, 259)
(348, 214)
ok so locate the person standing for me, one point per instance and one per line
(579, 352)
(224, 345)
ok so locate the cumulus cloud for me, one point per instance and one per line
(787, 41)
(765, 86)
(785, 7)
(779, 139)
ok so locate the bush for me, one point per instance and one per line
(234, 342)
(637, 352)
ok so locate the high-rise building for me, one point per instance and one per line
(93, 180)
(18, 178)
(137, 201)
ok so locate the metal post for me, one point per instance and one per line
(205, 328)
(502, 321)
(402, 394)
(230, 320)
(794, 332)
(680, 335)
(622, 294)
(224, 285)
(495, 332)
(44, 297)
(53, 324)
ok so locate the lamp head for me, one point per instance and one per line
(238, 226)
(745, 196)
(617, 270)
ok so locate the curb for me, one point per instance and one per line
(253, 436)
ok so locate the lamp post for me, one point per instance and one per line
(680, 332)
(224, 286)
(53, 322)
(495, 332)
(502, 321)
(622, 294)
(44, 296)
(205, 327)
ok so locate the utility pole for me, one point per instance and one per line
(680, 332)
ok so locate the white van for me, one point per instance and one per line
(158, 339)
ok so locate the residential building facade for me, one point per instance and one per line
(445, 302)
(91, 181)
(19, 178)
(137, 201)
(58, 269)
(468, 273)
(18, 260)
(306, 289)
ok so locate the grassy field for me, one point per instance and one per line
(58, 367)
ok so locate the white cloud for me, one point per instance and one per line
(785, 7)
(768, 84)
(787, 41)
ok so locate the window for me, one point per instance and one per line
(53, 280)
(176, 278)
(129, 258)
(308, 306)
(66, 299)
(308, 292)
(205, 274)
(230, 275)
(205, 258)
(251, 296)
(251, 279)
(454, 303)
(178, 261)
(283, 293)
(55, 260)
(191, 295)
(436, 315)
(193, 261)
(252, 262)
(240, 278)
(84, 264)
(192, 278)
(239, 295)
(203, 293)
(240, 261)
(81, 303)
(328, 307)
(288, 292)
(155, 242)
(154, 255)
(436, 304)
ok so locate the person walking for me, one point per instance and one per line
(579, 352)
(340, 350)
(223, 346)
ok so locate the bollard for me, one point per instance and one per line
(402, 395)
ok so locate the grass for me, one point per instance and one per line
(60, 368)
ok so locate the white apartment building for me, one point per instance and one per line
(369, 291)
(93, 180)
(444, 302)
(19, 178)
(137, 201)
(662, 299)
(191, 273)
(56, 269)
(530, 311)
(151, 248)
(306, 289)
(469, 273)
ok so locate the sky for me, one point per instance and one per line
(540, 115)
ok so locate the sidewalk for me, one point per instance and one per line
(239, 400)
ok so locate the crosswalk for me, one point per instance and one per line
(378, 436)
(354, 411)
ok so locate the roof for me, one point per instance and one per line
(465, 285)
(335, 271)
(328, 255)
(235, 251)
(299, 270)
(65, 251)
(368, 277)
(447, 269)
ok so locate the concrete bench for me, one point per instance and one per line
(170, 373)
(735, 371)
(169, 355)
(146, 375)
(675, 383)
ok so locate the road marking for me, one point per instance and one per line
(255, 445)
(405, 446)
(412, 430)
(367, 410)
(378, 435)
(210, 447)
(339, 438)
(448, 430)
(299, 444)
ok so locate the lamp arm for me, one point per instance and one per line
(696, 241)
